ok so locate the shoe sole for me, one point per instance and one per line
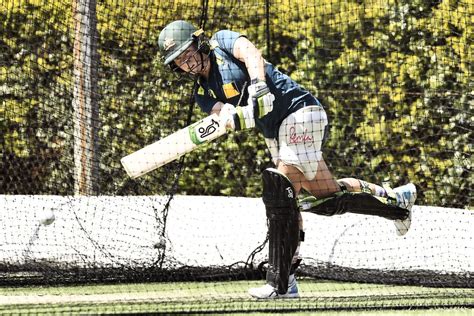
(276, 296)
(296, 295)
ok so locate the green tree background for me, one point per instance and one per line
(394, 76)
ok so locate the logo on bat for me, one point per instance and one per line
(208, 130)
(200, 133)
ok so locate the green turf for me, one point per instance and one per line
(218, 297)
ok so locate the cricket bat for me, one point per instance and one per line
(173, 146)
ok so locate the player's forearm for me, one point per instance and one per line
(255, 66)
(247, 52)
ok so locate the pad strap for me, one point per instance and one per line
(364, 187)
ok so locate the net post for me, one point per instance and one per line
(85, 103)
(267, 27)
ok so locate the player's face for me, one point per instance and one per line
(191, 61)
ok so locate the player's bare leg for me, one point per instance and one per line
(324, 185)
(297, 168)
(405, 196)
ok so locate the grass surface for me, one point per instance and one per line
(218, 297)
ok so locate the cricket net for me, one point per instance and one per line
(82, 85)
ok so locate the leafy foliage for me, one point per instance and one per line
(394, 76)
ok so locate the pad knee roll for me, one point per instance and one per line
(283, 231)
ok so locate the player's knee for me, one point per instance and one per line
(294, 175)
(279, 195)
(280, 201)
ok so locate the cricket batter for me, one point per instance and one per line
(229, 69)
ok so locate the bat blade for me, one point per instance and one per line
(173, 146)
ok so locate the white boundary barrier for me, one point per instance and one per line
(220, 231)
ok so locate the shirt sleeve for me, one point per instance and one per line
(226, 39)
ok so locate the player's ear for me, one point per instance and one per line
(204, 47)
(201, 42)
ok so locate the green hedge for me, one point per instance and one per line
(394, 76)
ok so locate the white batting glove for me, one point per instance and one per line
(227, 114)
(260, 98)
(237, 118)
(244, 118)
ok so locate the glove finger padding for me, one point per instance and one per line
(260, 98)
(263, 105)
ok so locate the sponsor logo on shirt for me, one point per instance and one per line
(301, 138)
(230, 90)
(212, 93)
(200, 90)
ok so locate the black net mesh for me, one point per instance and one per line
(82, 84)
